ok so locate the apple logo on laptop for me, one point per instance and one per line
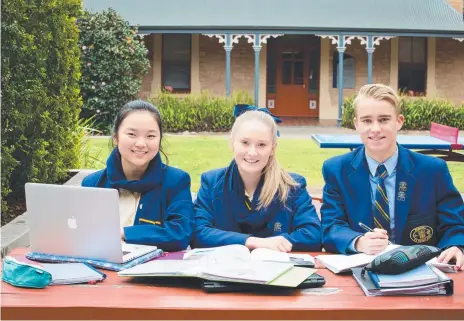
(72, 223)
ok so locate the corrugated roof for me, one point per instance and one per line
(400, 16)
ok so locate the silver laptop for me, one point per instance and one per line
(79, 222)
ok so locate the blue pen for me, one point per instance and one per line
(367, 228)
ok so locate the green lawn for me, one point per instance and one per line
(197, 154)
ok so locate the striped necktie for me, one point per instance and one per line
(381, 208)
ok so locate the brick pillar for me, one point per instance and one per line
(326, 110)
(157, 53)
(394, 63)
(262, 76)
(431, 87)
(195, 87)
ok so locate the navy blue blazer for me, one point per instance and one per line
(170, 204)
(428, 207)
(216, 224)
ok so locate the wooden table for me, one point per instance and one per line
(119, 298)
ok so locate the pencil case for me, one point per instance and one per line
(24, 275)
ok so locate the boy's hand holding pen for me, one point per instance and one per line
(373, 242)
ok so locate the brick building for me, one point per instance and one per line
(287, 54)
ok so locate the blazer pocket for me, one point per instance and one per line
(421, 229)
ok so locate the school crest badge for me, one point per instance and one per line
(401, 196)
(421, 234)
(277, 227)
(403, 186)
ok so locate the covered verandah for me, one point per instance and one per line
(341, 22)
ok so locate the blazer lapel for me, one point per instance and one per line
(360, 191)
(404, 185)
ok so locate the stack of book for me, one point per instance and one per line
(423, 280)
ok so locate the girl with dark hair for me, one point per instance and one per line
(154, 199)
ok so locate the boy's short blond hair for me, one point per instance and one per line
(378, 92)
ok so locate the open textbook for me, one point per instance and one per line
(221, 265)
(242, 252)
(339, 263)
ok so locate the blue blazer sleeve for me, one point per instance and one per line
(206, 235)
(176, 231)
(336, 233)
(450, 210)
(306, 235)
(92, 180)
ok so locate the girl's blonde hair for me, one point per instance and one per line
(276, 179)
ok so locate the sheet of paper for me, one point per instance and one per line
(294, 277)
(220, 252)
(340, 262)
(242, 271)
(276, 256)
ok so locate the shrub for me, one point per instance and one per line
(348, 113)
(418, 113)
(40, 88)
(202, 112)
(114, 60)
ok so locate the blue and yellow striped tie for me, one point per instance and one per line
(381, 208)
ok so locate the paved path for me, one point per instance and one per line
(301, 132)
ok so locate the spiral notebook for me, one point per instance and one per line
(40, 257)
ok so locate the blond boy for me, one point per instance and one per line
(403, 196)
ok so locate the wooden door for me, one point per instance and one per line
(297, 62)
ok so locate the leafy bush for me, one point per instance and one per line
(114, 61)
(202, 112)
(418, 113)
(348, 113)
(40, 89)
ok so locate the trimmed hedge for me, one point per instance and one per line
(40, 88)
(202, 112)
(418, 113)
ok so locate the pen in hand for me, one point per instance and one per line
(368, 229)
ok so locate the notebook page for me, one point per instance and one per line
(340, 262)
(226, 252)
(263, 254)
(246, 271)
